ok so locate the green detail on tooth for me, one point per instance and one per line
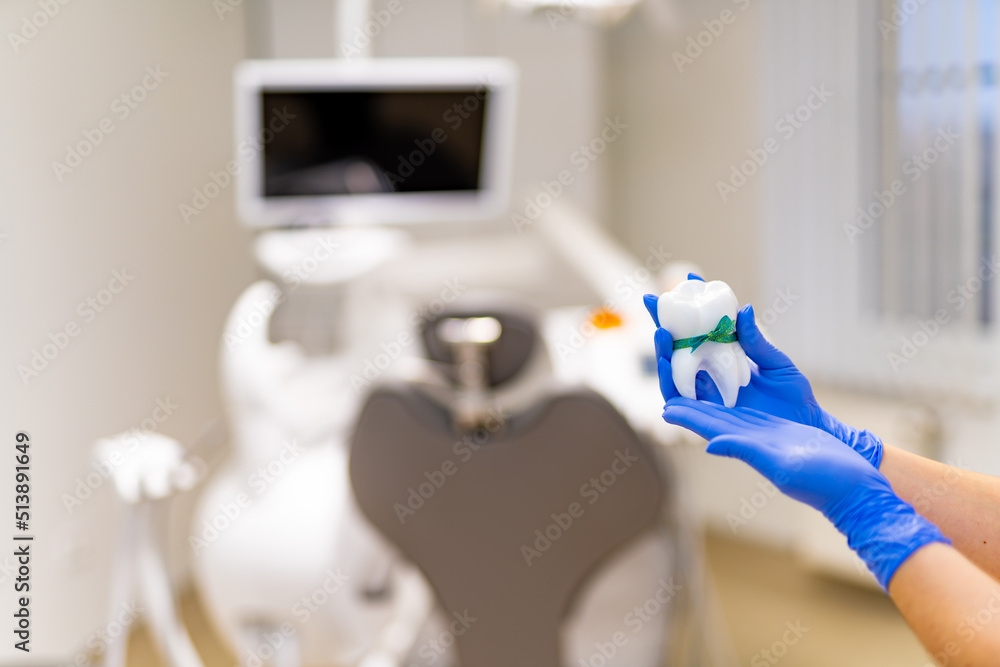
(724, 332)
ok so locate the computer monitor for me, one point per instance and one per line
(335, 142)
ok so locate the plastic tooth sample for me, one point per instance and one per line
(695, 313)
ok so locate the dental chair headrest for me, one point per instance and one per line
(506, 357)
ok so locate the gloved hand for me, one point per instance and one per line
(776, 386)
(813, 467)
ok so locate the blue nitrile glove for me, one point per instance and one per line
(811, 466)
(776, 386)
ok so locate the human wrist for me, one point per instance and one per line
(867, 444)
(883, 530)
(862, 441)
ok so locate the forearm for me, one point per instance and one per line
(951, 605)
(965, 505)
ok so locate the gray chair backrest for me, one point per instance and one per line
(506, 522)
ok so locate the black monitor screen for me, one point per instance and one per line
(365, 142)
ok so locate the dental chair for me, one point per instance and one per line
(537, 525)
(299, 550)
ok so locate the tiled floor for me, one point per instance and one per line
(760, 591)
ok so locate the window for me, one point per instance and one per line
(881, 210)
(938, 99)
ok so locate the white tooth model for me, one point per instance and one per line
(702, 319)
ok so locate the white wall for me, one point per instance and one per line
(119, 209)
(687, 128)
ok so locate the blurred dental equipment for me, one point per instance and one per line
(143, 473)
(662, 14)
(345, 399)
(481, 356)
(343, 588)
(348, 596)
(600, 12)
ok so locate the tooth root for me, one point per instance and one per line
(685, 367)
(723, 367)
(743, 363)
